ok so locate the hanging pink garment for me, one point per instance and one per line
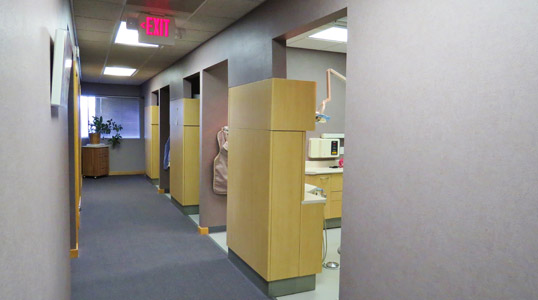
(220, 164)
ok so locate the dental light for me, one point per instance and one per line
(320, 117)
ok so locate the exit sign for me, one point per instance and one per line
(156, 30)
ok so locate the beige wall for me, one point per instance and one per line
(34, 182)
(441, 201)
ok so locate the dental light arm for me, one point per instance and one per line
(320, 117)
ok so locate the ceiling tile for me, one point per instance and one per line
(92, 24)
(91, 69)
(194, 35)
(96, 21)
(89, 78)
(169, 5)
(312, 44)
(182, 47)
(98, 9)
(307, 34)
(127, 56)
(234, 9)
(93, 59)
(119, 2)
(342, 48)
(94, 36)
(107, 79)
(93, 45)
(208, 23)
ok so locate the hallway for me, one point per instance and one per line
(134, 244)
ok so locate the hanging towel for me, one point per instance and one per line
(166, 160)
(220, 164)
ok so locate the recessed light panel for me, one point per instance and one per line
(130, 37)
(119, 71)
(333, 34)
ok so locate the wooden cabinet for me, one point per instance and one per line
(332, 184)
(185, 151)
(151, 139)
(267, 226)
(95, 160)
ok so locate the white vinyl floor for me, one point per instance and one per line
(326, 282)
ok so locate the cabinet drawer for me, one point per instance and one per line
(337, 182)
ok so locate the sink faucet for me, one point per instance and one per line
(320, 192)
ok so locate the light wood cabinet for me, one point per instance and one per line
(332, 184)
(95, 161)
(185, 151)
(267, 226)
(151, 139)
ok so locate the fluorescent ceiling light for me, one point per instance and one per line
(119, 71)
(335, 34)
(129, 37)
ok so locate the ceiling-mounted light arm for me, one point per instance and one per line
(321, 107)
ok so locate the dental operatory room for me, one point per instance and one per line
(195, 150)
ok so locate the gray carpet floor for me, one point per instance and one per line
(134, 244)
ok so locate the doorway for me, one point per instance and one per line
(320, 55)
(164, 136)
(213, 119)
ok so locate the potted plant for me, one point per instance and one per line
(99, 126)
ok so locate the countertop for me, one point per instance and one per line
(95, 146)
(310, 198)
(326, 170)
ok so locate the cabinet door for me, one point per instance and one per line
(155, 155)
(324, 182)
(337, 182)
(191, 165)
(336, 205)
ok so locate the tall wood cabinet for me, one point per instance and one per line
(151, 139)
(268, 226)
(185, 151)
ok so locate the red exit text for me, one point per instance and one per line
(156, 26)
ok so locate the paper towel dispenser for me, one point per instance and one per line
(323, 148)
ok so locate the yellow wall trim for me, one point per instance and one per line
(203, 230)
(73, 253)
(116, 173)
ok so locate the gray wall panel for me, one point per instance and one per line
(441, 200)
(34, 182)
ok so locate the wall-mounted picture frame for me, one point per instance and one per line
(62, 63)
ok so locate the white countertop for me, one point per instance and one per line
(312, 199)
(315, 167)
(96, 145)
(316, 171)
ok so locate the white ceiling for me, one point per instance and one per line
(97, 21)
(303, 41)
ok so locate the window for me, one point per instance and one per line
(124, 111)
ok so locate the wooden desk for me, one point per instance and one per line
(95, 160)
